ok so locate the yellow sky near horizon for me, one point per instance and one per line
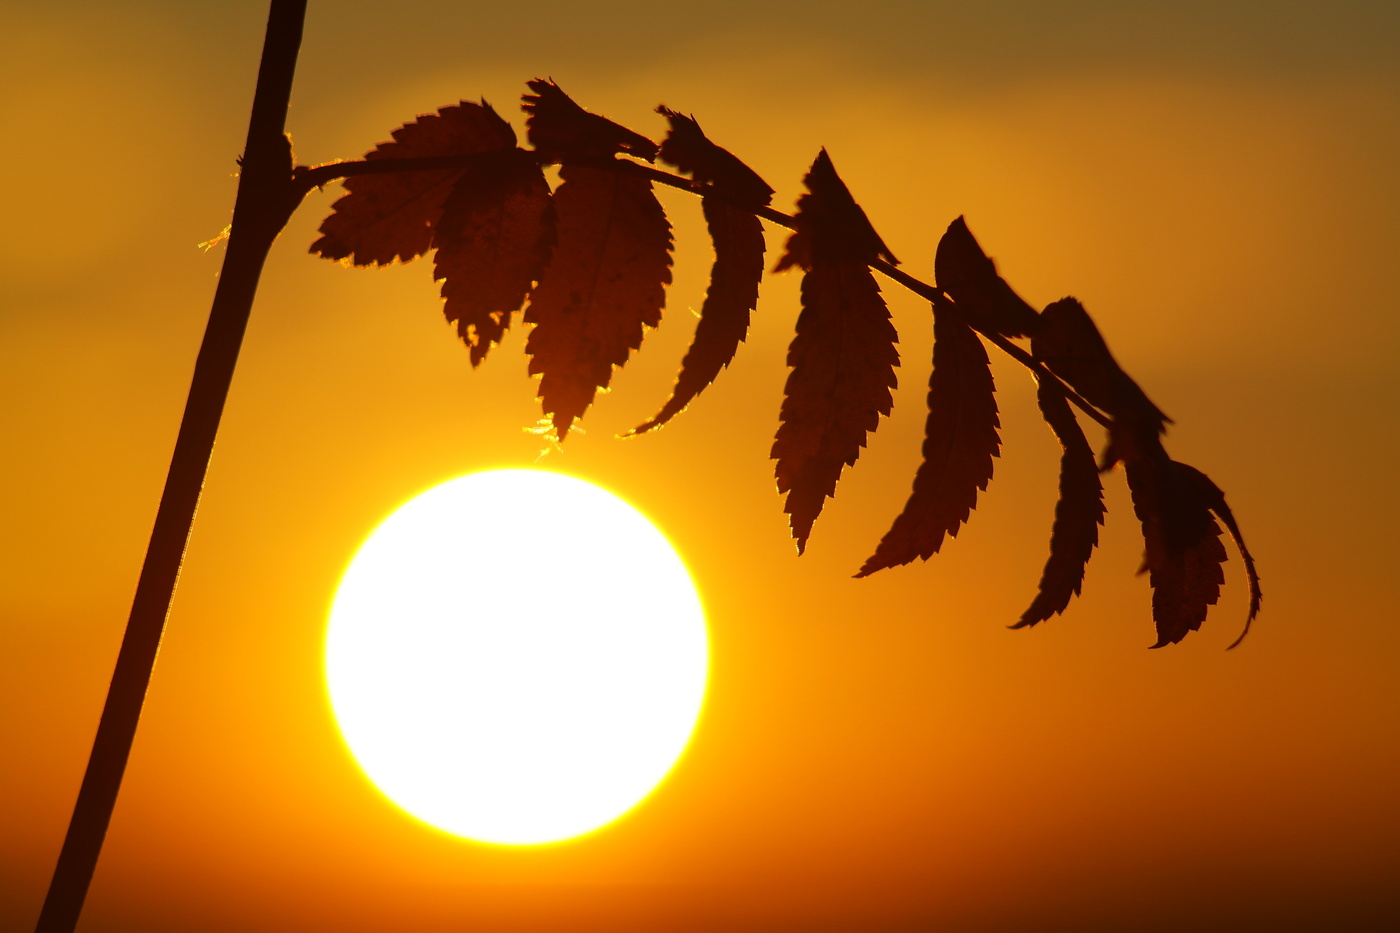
(875, 753)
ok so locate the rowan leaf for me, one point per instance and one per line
(688, 148)
(1215, 500)
(843, 355)
(393, 215)
(493, 241)
(1078, 513)
(562, 131)
(738, 268)
(1070, 344)
(1183, 553)
(725, 315)
(604, 285)
(970, 278)
(960, 442)
(830, 224)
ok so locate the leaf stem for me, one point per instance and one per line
(1018, 354)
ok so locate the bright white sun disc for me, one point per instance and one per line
(516, 656)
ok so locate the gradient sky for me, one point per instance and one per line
(1216, 182)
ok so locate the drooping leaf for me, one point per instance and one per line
(1070, 344)
(960, 442)
(843, 354)
(393, 215)
(738, 268)
(605, 283)
(1183, 552)
(493, 241)
(970, 278)
(1215, 500)
(562, 131)
(724, 317)
(1078, 513)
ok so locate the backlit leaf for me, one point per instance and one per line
(605, 283)
(562, 131)
(724, 317)
(830, 224)
(393, 215)
(960, 442)
(843, 355)
(738, 268)
(691, 151)
(1215, 499)
(1078, 513)
(492, 242)
(1183, 553)
(1069, 343)
(970, 278)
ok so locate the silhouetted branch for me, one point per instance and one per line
(264, 202)
(307, 178)
(1018, 354)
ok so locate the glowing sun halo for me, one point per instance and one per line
(516, 656)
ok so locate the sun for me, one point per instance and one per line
(516, 657)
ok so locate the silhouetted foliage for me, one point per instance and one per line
(843, 355)
(737, 234)
(960, 440)
(589, 263)
(1078, 514)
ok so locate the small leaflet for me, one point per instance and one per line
(830, 224)
(729, 303)
(604, 285)
(1215, 500)
(738, 268)
(965, 272)
(393, 215)
(1069, 343)
(960, 443)
(562, 131)
(493, 241)
(1183, 551)
(843, 355)
(689, 150)
(1078, 513)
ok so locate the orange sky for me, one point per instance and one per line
(1217, 187)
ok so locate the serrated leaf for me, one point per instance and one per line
(738, 268)
(724, 317)
(1078, 513)
(1070, 344)
(960, 442)
(689, 150)
(1215, 500)
(970, 278)
(493, 241)
(562, 131)
(605, 284)
(843, 355)
(1183, 552)
(830, 224)
(392, 216)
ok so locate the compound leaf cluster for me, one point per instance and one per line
(589, 261)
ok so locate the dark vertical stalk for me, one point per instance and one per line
(266, 199)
